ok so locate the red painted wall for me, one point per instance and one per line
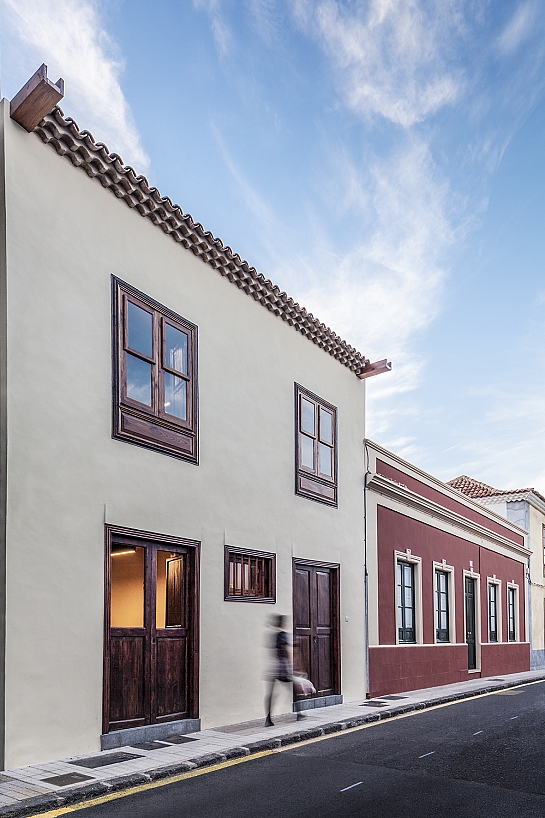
(409, 667)
(444, 500)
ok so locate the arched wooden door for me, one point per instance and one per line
(151, 633)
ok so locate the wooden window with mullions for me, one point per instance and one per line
(155, 375)
(250, 576)
(315, 447)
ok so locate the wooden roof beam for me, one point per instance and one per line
(36, 99)
(375, 369)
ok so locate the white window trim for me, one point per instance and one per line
(407, 556)
(472, 575)
(447, 569)
(517, 611)
(499, 610)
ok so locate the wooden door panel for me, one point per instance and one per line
(323, 599)
(150, 672)
(127, 679)
(301, 659)
(302, 616)
(324, 661)
(171, 687)
(315, 625)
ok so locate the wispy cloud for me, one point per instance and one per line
(220, 29)
(518, 29)
(390, 54)
(69, 37)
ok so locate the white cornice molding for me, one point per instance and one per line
(514, 497)
(444, 488)
(397, 491)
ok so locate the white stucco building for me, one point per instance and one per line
(182, 455)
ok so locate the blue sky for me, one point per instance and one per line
(383, 161)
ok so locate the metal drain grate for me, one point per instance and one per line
(394, 698)
(374, 704)
(180, 739)
(67, 778)
(149, 745)
(104, 760)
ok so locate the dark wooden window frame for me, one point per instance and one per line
(310, 483)
(406, 635)
(442, 635)
(269, 597)
(135, 537)
(134, 422)
(335, 569)
(493, 609)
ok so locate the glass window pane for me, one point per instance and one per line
(307, 416)
(307, 452)
(138, 379)
(127, 596)
(326, 460)
(140, 330)
(175, 396)
(326, 426)
(170, 590)
(175, 349)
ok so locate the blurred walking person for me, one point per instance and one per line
(280, 662)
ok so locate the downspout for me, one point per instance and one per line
(366, 465)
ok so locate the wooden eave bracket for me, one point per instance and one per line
(375, 369)
(36, 99)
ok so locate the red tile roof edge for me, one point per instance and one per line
(81, 149)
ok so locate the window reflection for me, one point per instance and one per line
(175, 396)
(307, 416)
(138, 379)
(175, 349)
(307, 452)
(326, 465)
(140, 330)
(326, 426)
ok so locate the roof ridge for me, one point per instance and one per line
(83, 151)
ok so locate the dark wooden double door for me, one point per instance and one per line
(151, 632)
(316, 625)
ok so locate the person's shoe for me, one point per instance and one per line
(268, 721)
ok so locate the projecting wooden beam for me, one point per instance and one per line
(36, 99)
(375, 369)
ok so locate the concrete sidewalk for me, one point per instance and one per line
(41, 787)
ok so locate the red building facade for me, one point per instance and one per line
(447, 583)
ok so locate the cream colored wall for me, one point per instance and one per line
(67, 477)
(537, 520)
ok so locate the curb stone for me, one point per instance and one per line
(41, 803)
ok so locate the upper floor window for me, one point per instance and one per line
(155, 375)
(405, 602)
(492, 612)
(441, 606)
(316, 447)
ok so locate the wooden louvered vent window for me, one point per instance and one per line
(250, 576)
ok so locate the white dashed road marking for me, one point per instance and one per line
(477, 733)
(513, 717)
(427, 754)
(352, 786)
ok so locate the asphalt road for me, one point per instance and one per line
(480, 757)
